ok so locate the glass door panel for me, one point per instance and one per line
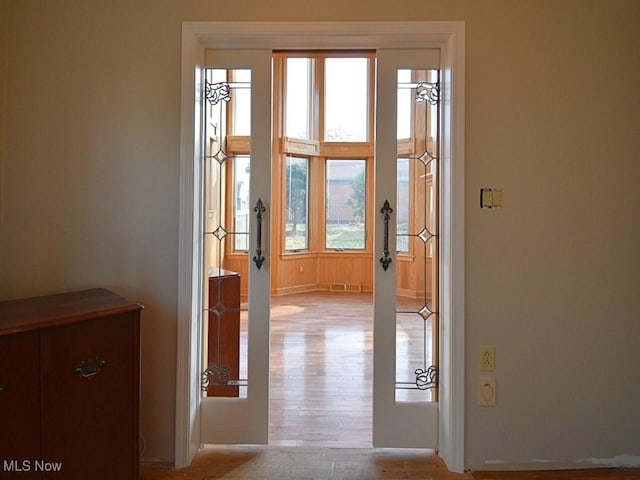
(235, 273)
(417, 236)
(405, 408)
(226, 231)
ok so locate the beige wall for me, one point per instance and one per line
(90, 191)
(4, 39)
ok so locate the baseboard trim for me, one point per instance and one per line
(619, 461)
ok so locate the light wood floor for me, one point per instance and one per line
(322, 366)
(301, 463)
(320, 373)
(317, 463)
(320, 427)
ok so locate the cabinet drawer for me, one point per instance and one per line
(90, 397)
(19, 404)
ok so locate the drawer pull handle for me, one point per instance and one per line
(1, 388)
(90, 367)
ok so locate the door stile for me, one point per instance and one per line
(384, 352)
(260, 276)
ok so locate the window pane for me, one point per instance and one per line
(345, 204)
(242, 102)
(296, 191)
(241, 126)
(298, 98)
(405, 104)
(241, 206)
(402, 205)
(346, 99)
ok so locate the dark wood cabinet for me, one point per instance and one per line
(223, 334)
(69, 386)
(19, 400)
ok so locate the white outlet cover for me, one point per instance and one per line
(487, 358)
(487, 391)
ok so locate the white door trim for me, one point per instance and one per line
(450, 38)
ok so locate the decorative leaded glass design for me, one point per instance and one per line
(225, 167)
(417, 235)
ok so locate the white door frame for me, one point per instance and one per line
(449, 37)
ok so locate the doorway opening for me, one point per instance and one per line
(322, 210)
(322, 275)
(246, 41)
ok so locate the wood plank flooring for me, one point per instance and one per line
(320, 374)
(321, 367)
(301, 463)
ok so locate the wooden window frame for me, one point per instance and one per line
(318, 151)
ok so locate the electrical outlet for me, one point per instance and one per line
(487, 391)
(487, 358)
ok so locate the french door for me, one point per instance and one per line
(234, 282)
(406, 324)
(235, 227)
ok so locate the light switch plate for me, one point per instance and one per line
(486, 198)
(490, 197)
(496, 197)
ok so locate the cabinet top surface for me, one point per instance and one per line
(216, 272)
(54, 310)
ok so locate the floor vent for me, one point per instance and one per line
(345, 287)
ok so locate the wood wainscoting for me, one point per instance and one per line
(308, 272)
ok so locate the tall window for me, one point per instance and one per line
(346, 99)
(346, 200)
(241, 102)
(296, 203)
(326, 150)
(298, 85)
